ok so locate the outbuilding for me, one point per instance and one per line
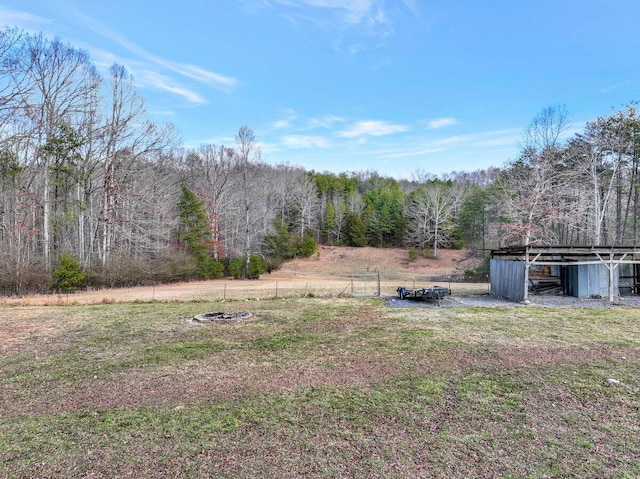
(580, 271)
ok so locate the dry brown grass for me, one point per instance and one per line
(325, 275)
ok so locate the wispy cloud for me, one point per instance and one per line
(349, 12)
(474, 142)
(215, 80)
(413, 6)
(507, 136)
(212, 79)
(147, 68)
(305, 141)
(372, 128)
(441, 123)
(410, 153)
(293, 122)
(287, 122)
(374, 20)
(327, 121)
(165, 83)
(24, 20)
(613, 87)
(281, 125)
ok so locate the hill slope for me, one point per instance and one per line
(341, 260)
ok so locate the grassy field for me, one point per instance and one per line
(319, 388)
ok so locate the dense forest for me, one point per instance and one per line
(94, 193)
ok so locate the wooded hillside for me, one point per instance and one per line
(86, 176)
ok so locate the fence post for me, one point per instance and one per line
(378, 283)
(276, 290)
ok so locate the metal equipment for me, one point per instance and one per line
(434, 293)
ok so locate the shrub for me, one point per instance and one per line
(125, 271)
(235, 267)
(281, 245)
(306, 246)
(255, 267)
(16, 278)
(479, 273)
(209, 268)
(68, 276)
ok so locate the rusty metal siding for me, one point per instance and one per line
(507, 279)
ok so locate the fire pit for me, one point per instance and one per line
(222, 317)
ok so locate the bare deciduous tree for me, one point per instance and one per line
(431, 210)
(63, 80)
(527, 185)
(248, 153)
(127, 137)
(304, 202)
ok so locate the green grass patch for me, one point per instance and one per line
(285, 341)
(320, 388)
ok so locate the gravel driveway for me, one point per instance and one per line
(486, 300)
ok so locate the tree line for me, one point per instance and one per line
(92, 189)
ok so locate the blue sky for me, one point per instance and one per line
(347, 85)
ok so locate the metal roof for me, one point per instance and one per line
(569, 254)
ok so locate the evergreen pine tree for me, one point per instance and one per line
(195, 234)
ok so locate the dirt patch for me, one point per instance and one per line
(345, 260)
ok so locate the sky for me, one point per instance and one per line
(399, 87)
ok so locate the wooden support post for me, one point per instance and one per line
(525, 297)
(611, 268)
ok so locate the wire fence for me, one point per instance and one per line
(365, 284)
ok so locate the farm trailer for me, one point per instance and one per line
(434, 293)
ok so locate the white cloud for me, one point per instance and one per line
(362, 18)
(351, 12)
(214, 80)
(24, 20)
(475, 142)
(281, 124)
(441, 123)
(482, 139)
(164, 83)
(288, 120)
(413, 6)
(164, 112)
(305, 141)
(358, 25)
(610, 88)
(327, 121)
(411, 153)
(294, 122)
(372, 128)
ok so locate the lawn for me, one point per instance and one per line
(319, 388)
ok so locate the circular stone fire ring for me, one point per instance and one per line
(223, 317)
